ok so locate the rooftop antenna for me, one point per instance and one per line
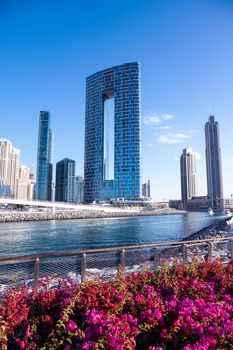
(212, 109)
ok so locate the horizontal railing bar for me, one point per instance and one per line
(99, 250)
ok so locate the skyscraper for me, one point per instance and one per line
(213, 164)
(65, 180)
(122, 85)
(50, 166)
(146, 189)
(78, 189)
(9, 166)
(44, 158)
(14, 178)
(188, 175)
(24, 186)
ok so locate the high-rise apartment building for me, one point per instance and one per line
(14, 178)
(9, 166)
(214, 164)
(24, 184)
(32, 180)
(44, 158)
(120, 84)
(79, 189)
(65, 180)
(146, 189)
(50, 166)
(188, 175)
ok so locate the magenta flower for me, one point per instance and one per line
(188, 307)
(71, 326)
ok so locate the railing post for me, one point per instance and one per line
(84, 264)
(123, 260)
(185, 253)
(231, 242)
(210, 250)
(156, 259)
(36, 274)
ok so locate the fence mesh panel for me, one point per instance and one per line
(105, 265)
(198, 251)
(170, 253)
(16, 273)
(222, 250)
(137, 260)
(63, 267)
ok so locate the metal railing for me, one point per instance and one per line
(82, 265)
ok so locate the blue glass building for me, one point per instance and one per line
(65, 180)
(214, 164)
(44, 158)
(122, 84)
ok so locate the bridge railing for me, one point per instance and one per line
(83, 265)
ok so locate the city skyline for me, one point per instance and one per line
(186, 67)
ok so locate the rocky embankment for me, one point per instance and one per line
(216, 231)
(14, 216)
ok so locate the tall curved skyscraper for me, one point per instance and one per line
(122, 84)
(44, 174)
(214, 164)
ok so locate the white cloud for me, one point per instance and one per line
(172, 138)
(166, 127)
(149, 144)
(152, 120)
(167, 116)
(155, 119)
(176, 158)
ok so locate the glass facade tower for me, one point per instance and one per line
(214, 164)
(65, 180)
(44, 158)
(121, 83)
(50, 167)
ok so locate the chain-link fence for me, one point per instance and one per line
(80, 266)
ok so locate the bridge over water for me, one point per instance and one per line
(61, 205)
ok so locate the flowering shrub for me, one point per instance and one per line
(180, 307)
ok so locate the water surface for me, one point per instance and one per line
(26, 238)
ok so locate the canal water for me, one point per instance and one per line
(27, 238)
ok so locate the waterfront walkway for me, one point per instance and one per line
(59, 205)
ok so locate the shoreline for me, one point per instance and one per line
(217, 230)
(83, 214)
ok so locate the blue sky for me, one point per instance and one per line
(186, 52)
